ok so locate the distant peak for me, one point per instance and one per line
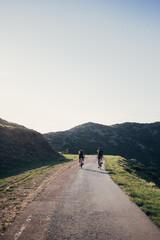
(86, 125)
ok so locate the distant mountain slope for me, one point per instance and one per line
(20, 146)
(131, 140)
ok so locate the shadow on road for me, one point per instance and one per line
(96, 171)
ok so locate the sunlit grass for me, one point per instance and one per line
(139, 182)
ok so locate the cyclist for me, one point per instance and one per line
(99, 156)
(81, 156)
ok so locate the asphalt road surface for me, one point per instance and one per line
(82, 204)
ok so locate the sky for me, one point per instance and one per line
(65, 63)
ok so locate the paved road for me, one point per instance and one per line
(83, 204)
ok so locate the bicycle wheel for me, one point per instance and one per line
(100, 165)
(81, 162)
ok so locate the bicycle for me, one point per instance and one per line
(100, 163)
(81, 161)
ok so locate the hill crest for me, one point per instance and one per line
(130, 139)
(22, 147)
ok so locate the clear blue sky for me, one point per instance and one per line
(64, 63)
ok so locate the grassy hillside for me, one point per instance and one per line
(18, 190)
(141, 183)
(22, 148)
(130, 140)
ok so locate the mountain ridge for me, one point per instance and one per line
(140, 141)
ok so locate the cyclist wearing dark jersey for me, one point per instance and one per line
(81, 155)
(99, 156)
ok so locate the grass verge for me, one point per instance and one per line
(141, 183)
(18, 190)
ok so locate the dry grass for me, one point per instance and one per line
(18, 190)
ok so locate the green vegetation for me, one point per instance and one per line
(21, 148)
(139, 182)
(71, 157)
(130, 140)
(17, 190)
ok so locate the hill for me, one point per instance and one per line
(130, 140)
(21, 147)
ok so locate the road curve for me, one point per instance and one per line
(83, 204)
